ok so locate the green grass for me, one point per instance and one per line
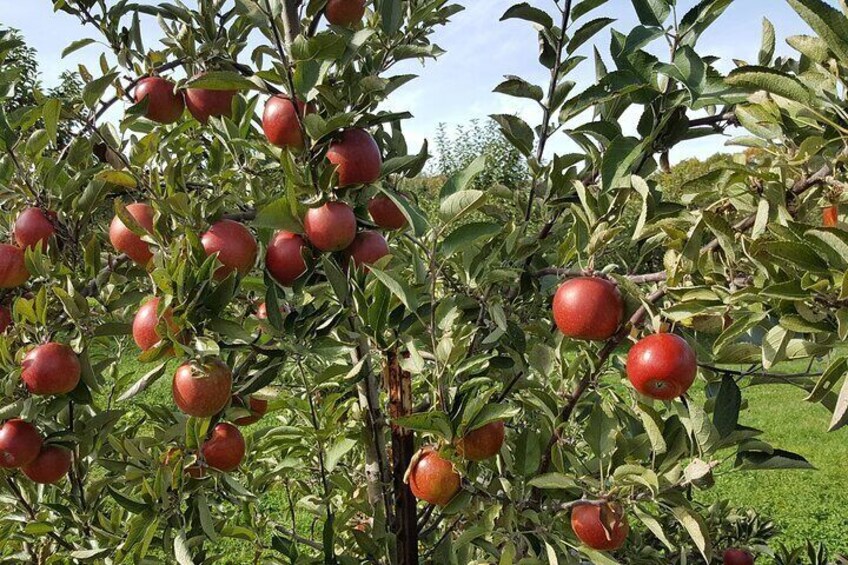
(805, 505)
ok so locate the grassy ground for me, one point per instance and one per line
(806, 505)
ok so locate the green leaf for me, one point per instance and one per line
(520, 88)
(756, 78)
(432, 422)
(586, 32)
(221, 80)
(337, 451)
(696, 528)
(828, 22)
(812, 47)
(772, 460)
(461, 203)
(278, 215)
(525, 11)
(465, 235)
(768, 43)
(826, 383)
(516, 131)
(181, 550)
(399, 288)
(51, 112)
(840, 412)
(552, 481)
(584, 7)
(391, 16)
(796, 254)
(128, 503)
(652, 12)
(76, 45)
(727, 405)
(460, 180)
(93, 91)
(144, 382)
(619, 159)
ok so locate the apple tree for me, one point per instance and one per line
(339, 366)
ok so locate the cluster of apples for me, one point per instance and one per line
(661, 366)
(48, 369)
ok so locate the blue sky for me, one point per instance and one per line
(480, 50)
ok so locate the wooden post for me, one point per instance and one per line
(405, 523)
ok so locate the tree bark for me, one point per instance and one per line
(405, 523)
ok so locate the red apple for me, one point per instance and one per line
(51, 368)
(146, 323)
(225, 448)
(20, 444)
(386, 213)
(433, 478)
(34, 227)
(257, 406)
(344, 12)
(604, 528)
(284, 259)
(165, 105)
(332, 227)
(125, 241)
(52, 463)
(5, 318)
(368, 248)
(280, 124)
(483, 443)
(737, 557)
(830, 216)
(662, 366)
(13, 270)
(356, 157)
(588, 308)
(204, 103)
(235, 246)
(202, 389)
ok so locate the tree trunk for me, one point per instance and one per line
(405, 523)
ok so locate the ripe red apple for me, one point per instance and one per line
(483, 443)
(13, 270)
(202, 389)
(368, 248)
(357, 158)
(332, 227)
(20, 444)
(386, 213)
(146, 322)
(126, 241)
(51, 368)
(53, 463)
(284, 259)
(344, 12)
(604, 528)
(662, 366)
(588, 308)
(257, 406)
(5, 318)
(165, 105)
(830, 216)
(433, 478)
(737, 557)
(235, 246)
(225, 448)
(280, 124)
(204, 103)
(34, 227)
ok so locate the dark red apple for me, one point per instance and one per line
(433, 478)
(356, 157)
(284, 258)
(125, 241)
(368, 248)
(344, 12)
(34, 227)
(235, 246)
(662, 366)
(13, 270)
(604, 528)
(5, 318)
(332, 227)
(146, 323)
(225, 448)
(165, 105)
(257, 406)
(483, 443)
(280, 124)
(386, 213)
(51, 465)
(830, 216)
(202, 389)
(51, 368)
(204, 103)
(20, 444)
(737, 557)
(588, 308)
